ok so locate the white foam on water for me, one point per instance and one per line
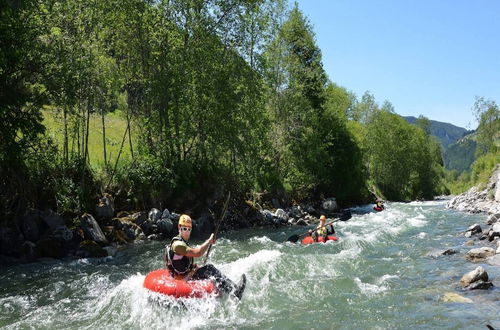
(421, 235)
(261, 240)
(246, 264)
(370, 289)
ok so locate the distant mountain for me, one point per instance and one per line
(445, 132)
(459, 145)
(461, 154)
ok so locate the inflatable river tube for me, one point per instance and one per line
(378, 209)
(161, 281)
(310, 240)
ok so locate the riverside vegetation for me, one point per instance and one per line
(174, 103)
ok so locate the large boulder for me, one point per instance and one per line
(473, 276)
(32, 225)
(329, 204)
(52, 219)
(165, 226)
(10, 239)
(92, 229)
(480, 253)
(106, 207)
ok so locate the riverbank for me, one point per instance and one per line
(45, 234)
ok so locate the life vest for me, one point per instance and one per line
(179, 264)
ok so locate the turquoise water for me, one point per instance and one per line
(380, 275)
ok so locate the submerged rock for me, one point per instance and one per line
(480, 285)
(454, 297)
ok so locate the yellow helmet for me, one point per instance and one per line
(185, 221)
(322, 217)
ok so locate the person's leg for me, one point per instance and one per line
(221, 281)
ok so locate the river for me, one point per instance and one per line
(380, 275)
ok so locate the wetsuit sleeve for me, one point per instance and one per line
(180, 248)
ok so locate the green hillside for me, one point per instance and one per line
(445, 132)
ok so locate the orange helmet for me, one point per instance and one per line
(322, 217)
(185, 221)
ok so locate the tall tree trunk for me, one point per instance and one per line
(104, 138)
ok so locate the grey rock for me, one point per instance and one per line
(493, 218)
(165, 214)
(449, 252)
(302, 222)
(91, 229)
(494, 231)
(165, 226)
(281, 215)
(153, 237)
(106, 207)
(480, 285)
(329, 204)
(268, 215)
(474, 229)
(494, 261)
(468, 234)
(52, 219)
(469, 243)
(480, 253)
(174, 217)
(63, 233)
(477, 274)
(154, 215)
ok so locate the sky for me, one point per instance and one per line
(426, 57)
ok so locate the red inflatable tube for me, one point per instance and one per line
(161, 281)
(378, 209)
(310, 240)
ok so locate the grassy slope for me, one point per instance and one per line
(115, 128)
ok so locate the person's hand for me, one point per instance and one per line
(212, 239)
(310, 231)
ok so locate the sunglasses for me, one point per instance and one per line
(185, 229)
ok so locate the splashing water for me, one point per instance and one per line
(378, 275)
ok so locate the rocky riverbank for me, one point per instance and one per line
(45, 234)
(483, 238)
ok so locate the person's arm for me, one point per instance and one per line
(194, 252)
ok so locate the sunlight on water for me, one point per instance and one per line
(384, 272)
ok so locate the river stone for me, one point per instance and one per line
(480, 285)
(468, 234)
(454, 297)
(165, 214)
(493, 218)
(92, 229)
(267, 215)
(301, 222)
(329, 204)
(52, 219)
(165, 226)
(469, 242)
(495, 260)
(281, 215)
(295, 211)
(477, 274)
(480, 253)
(474, 229)
(106, 207)
(62, 233)
(449, 252)
(154, 215)
(494, 231)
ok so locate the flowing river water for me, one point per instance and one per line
(381, 274)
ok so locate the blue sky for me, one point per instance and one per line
(429, 57)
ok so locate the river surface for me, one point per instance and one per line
(380, 275)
